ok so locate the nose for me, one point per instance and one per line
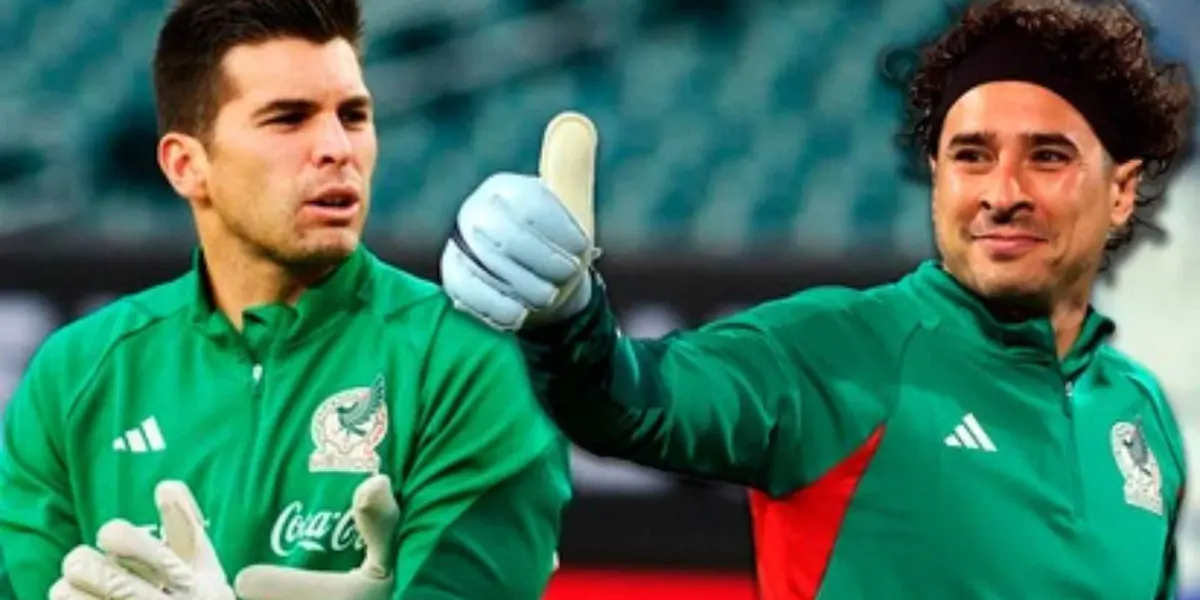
(1004, 191)
(333, 145)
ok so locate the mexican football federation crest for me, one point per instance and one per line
(1143, 479)
(347, 428)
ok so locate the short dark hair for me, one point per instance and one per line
(189, 86)
(1103, 40)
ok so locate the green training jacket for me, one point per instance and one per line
(373, 371)
(901, 442)
(6, 591)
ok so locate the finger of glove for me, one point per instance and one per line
(475, 292)
(268, 582)
(376, 514)
(141, 553)
(522, 244)
(63, 590)
(477, 266)
(89, 572)
(490, 254)
(533, 206)
(567, 164)
(183, 527)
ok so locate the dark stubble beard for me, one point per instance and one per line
(304, 263)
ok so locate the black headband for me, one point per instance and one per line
(1017, 57)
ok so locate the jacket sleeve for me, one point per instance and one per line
(37, 517)
(6, 590)
(767, 398)
(483, 500)
(1163, 408)
(1169, 587)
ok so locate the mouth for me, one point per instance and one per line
(1007, 245)
(338, 196)
(1010, 237)
(336, 203)
(1001, 232)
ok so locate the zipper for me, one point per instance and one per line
(1073, 458)
(256, 375)
(250, 448)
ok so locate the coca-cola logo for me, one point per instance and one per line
(313, 531)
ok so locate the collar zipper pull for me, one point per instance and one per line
(257, 373)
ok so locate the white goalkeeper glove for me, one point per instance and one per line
(376, 515)
(523, 246)
(136, 566)
(185, 567)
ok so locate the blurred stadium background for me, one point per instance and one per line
(747, 151)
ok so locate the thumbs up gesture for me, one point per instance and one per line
(522, 246)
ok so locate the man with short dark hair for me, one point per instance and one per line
(291, 402)
(965, 432)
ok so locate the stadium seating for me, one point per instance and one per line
(726, 126)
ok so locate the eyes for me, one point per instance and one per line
(350, 117)
(1048, 157)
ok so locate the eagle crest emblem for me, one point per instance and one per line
(1139, 466)
(347, 428)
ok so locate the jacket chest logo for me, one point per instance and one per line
(1143, 478)
(347, 428)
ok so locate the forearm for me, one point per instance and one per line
(33, 542)
(572, 366)
(701, 403)
(37, 520)
(501, 547)
(6, 589)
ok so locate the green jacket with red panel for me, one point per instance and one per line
(900, 441)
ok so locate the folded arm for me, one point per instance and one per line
(500, 546)
(482, 503)
(6, 589)
(37, 519)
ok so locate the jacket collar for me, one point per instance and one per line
(944, 298)
(280, 325)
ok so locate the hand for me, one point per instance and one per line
(182, 566)
(523, 246)
(376, 515)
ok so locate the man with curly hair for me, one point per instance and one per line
(965, 432)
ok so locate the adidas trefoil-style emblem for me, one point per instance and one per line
(969, 434)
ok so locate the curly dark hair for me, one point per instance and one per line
(1104, 40)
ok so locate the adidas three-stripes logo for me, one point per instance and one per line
(970, 434)
(146, 437)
